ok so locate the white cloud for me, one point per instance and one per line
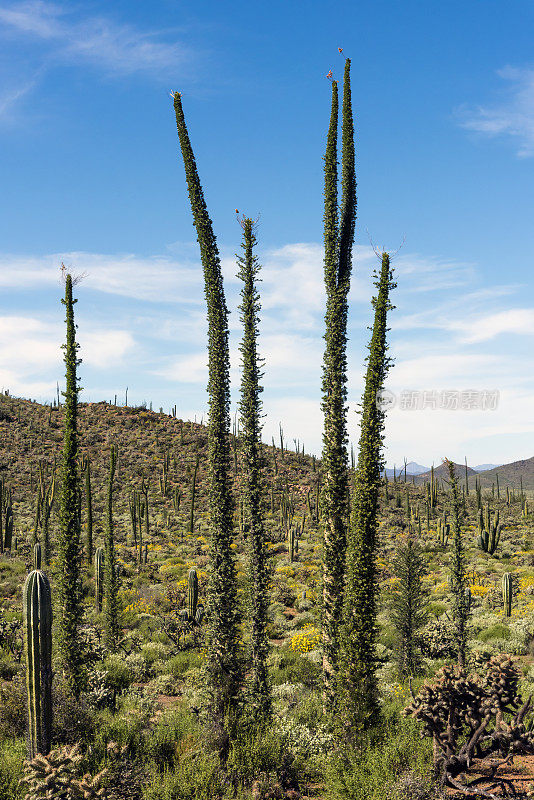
(31, 358)
(156, 278)
(512, 117)
(97, 40)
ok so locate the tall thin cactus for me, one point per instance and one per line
(251, 461)
(222, 667)
(338, 242)
(89, 507)
(37, 618)
(357, 688)
(192, 593)
(100, 559)
(111, 620)
(507, 593)
(71, 654)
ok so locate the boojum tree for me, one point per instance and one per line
(223, 666)
(70, 613)
(338, 242)
(111, 617)
(251, 462)
(357, 689)
(458, 581)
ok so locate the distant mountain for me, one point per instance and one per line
(484, 467)
(442, 472)
(412, 468)
(510, 475)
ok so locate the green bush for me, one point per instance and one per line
(181, 663)
(292, 667)
(12, 754)
(254, 750)
(12, 709)
(119, 675)
(374, 771)
(497, 631)
(197, 777)
(164, 740)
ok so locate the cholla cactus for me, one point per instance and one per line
(464, 714)
(54, 776)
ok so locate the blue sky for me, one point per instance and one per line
(90, 172)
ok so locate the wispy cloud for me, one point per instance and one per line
(514, 116)
(99, 41)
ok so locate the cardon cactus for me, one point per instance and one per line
(99, 578)
(37, 616)
(291, 535)
(443, 530)
(8, 534)
(489, 530)
(37, 556)
(192, 593)
(507, 593)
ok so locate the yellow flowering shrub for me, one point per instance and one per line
(306, 639)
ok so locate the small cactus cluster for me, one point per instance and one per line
(55, 775)
(489, 530)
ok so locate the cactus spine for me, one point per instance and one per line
(99, 578)
(37, 616)
(507, 593)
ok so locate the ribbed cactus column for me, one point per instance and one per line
(507, 593)
(37, 616)
(192, 593)
(99, 578)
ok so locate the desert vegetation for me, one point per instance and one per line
(187, 611)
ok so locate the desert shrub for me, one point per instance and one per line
(12, 754)
(254, 750)
(12, 709)
(175, 733)
(163, 684)
(73, 719)
(197, 776)
(292, 667)
(153, 651)
(119, 671)
(181, 663)
(497, 631)
(8, 667)
(373, 770)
